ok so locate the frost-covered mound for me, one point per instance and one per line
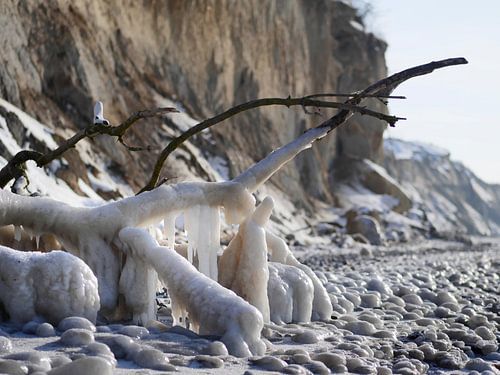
(451, 196)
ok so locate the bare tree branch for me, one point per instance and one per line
(13, 168)
(288, 102)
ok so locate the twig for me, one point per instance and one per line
(13, 168)
(288, 102)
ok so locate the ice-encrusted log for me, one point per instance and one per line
(280, 253)
(290, 293)
(243, 265)
(52, 285)
(211, 308)
(91, 233)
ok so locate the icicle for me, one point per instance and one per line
(213, 240)
(191, 225)
(169, 229)
(203, 230)
(17, 233)
(37, 241)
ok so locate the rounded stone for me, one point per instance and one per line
(5, 345)
(215, 348)
(269, 363)
(84, 366)
(77, 337)
(153, 359)
(331, 360)
(75, 322)
(360, 328)
(59, 360)
(378, 285)
(445, 297)
(317, 367)
(134, 331)
(301, 358)
(207, 361)
(370, 300)
(413, 299)
(306, 337)
(11, 367)
(45, 330)
(479, 364)
(30, 327)
(485, 333)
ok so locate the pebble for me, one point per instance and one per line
(77, 337)
(215, 348)
(306, 337)
(30, 327)
(317, 367)
(75, 322)
(154, 326)
(331, 360)
(11, 367)
(295, 370)
(370, 300)
(45, 330)
(84, 366)
(153, 359)
(269, 363)
(134, 331)
(207, 361)
(35, 361)
(360, 328)
(59, 360)
(379, 286)
(5, 345)
(485, 333)
(479, 364)
(301, 359)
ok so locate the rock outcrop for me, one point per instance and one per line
(59, 57)
(452, 197)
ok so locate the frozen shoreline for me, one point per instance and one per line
(429, 307)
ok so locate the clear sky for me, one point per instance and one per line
(457, 108)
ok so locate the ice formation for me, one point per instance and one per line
(202, 224)
(52, 285)
(210, 308)
(280, 253)
(126, 274)
(244, 263)
(90, 233)
(290, 293)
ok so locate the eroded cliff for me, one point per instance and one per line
(59, 57)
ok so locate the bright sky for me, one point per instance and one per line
(457, 108)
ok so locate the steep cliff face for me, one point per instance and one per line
(453, 198)
(59, 57)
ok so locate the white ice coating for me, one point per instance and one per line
(211, 308)
(90, 233)
(52, 285)
(280, 253)
(243, 265)
(202, 224)
(256, 175)
(290, 293)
